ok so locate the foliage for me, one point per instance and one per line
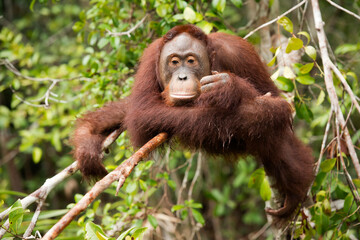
(70, 43)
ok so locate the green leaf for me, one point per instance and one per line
(143, 185)
(265, 191)
(103, 42)
(163, 9)
(237, 3)
(219, 5)
(217, 195)
(306, 68)
(36, 154)
(321, 98)
(198, 217)
(138, 232)
(305, 79)
(257, 178)
(131, 187)
(205, 26)
(303, 111)
(152, 220)
(177, 207)
(181, 5)
(86, 60)
(320, 196)
(92, 38)
(124, 234)
(32, 5)
(327, 165)
(195, 205)
(16, 215)
(284, 84)
(273, 60)
(349, 201)
(184, 214)
(311, 52)
(294, 44)
(306, 35)
(286, 23)
(357, 182)
(346, 48)
(189, 15)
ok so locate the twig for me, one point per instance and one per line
(185, 179)
(330, 85)
(260, 232)
(34, 219)
(346, 173)
(275, 19)
(41, 193)
(327, 128)
(121, 171)
(48, 92)
(196, 176)
(11, 68)
(128, 33)
(343, 9)
(346, 85)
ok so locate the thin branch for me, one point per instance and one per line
(34, 219)
(275, 19)
(346, 85)
(41, 193)
(327, 128)
(330, 84)
(184, 182)
(346, 173)
(48, 92)
(343, 9)
(121, 171)
(196, 176)
(128, 33)
(12, 68)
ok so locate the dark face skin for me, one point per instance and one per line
(183, 62)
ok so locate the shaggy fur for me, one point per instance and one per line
(237, 118)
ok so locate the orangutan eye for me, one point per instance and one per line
(191, 60)
(174, 61)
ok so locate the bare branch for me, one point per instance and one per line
(275, 19)
(330, 85)
(12, 68)
(346, 85)
(128, 33)
(196, 176)
(327, 128)
(41, 193)
(343, 9)
(34, 219)
(121, 171)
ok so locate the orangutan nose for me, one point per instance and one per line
(182, 76)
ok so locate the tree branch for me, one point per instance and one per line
(330, 85)
(41, 194)
(48, 92)
(346, 85)
(121, 172)
(128, 33)
(343, 9)
(275, 19)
